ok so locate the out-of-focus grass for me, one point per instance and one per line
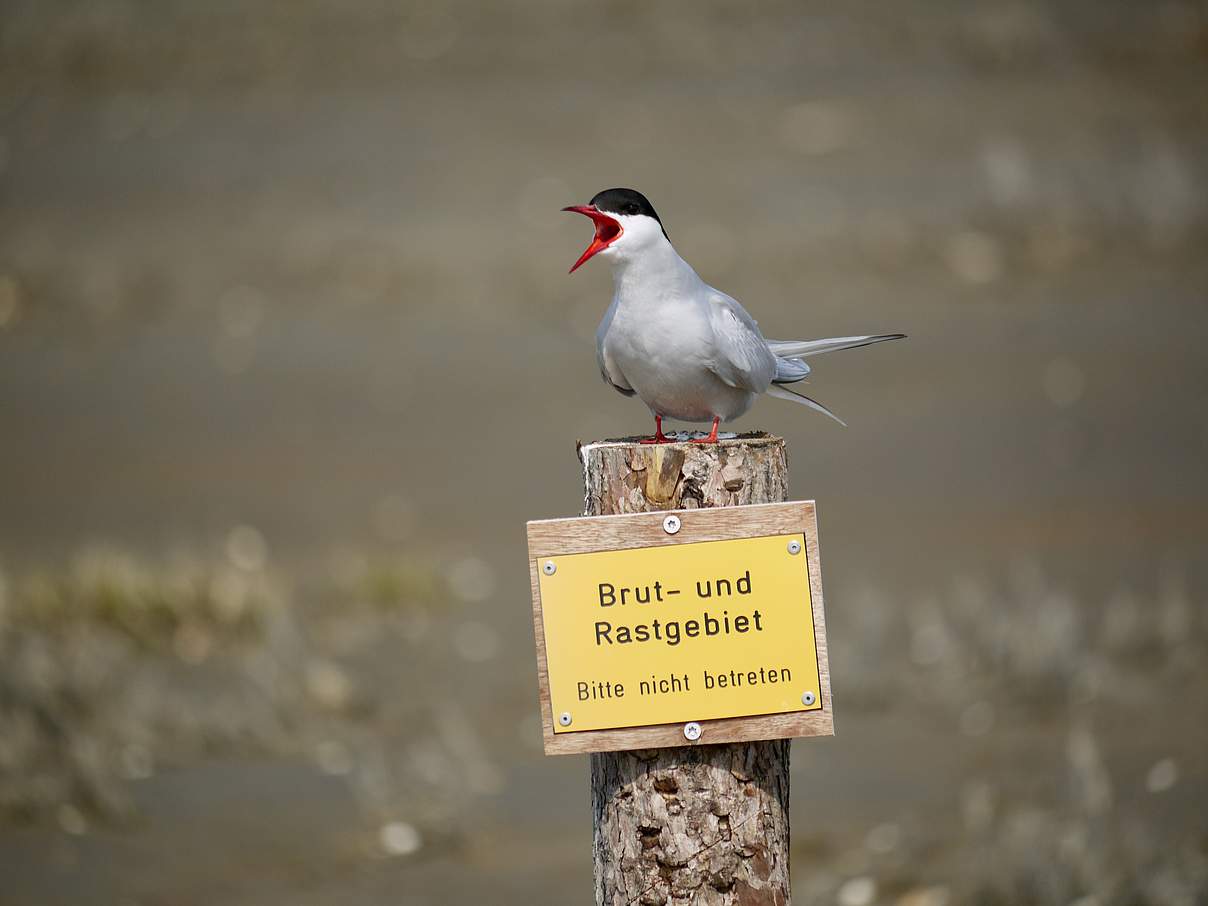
(150, 604)
(114, 665)
(1032, 645)
(397, 584)
(1048, 693)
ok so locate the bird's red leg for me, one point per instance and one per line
(712, 438)
(659, 436)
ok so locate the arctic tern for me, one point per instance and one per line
(687, 350)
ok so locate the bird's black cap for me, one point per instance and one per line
(625, 201)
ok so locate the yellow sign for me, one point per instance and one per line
(679, 632)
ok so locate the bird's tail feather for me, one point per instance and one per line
(793, 348)
(784, 393)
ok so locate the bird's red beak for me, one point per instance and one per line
(607, 231)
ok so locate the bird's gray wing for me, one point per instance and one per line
(608, 368)
(741, 357)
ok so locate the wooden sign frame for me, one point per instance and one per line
(587, 534)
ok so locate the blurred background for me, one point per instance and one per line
(289, 353)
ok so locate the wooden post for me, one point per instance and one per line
(706, 825)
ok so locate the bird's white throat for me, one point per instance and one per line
(651, 269)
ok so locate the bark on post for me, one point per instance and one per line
(706, 825)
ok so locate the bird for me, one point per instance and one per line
(688, 351)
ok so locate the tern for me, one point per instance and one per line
(687, 350)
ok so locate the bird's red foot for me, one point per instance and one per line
(711, 439)
(659, 436)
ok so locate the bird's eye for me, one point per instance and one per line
(632, 209)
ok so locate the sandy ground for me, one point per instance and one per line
(288, 350)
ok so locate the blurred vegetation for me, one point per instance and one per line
(155, 607)
(115, 666)
(1060, 682)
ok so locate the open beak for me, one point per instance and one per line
(607, 231)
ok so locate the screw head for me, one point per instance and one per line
(692, 731)
(794, 546)
(549, 568)
(564, 718)
(671, 524)
(808, 698)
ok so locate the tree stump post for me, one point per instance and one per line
(705, 825)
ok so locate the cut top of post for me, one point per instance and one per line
(624, 475)
(746, 438)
